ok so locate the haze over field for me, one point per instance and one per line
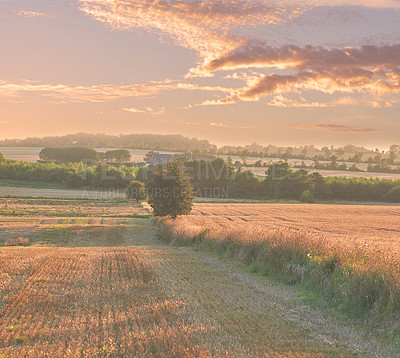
(285, 73)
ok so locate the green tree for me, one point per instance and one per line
(136, 190)
(66, 155)
(116, 156)
(170, 191)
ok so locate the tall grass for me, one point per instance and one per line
(356, 281)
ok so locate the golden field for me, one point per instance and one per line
(345, 257)
(367, 228)
(81, 278)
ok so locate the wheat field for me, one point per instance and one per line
(83, 278)
(349, 227)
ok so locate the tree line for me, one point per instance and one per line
(221, 179)
(216, 179)
(72, 175)
(84, 155)
(194, 146)
(174, 143)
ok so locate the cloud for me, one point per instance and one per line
(218, 125)
(97, 93)
(208, 27)
(334, 128)
(145, 110)
(367, 3)
(225, 35)
(257, 55)
(281, 101)
(369, 69)
(31, 14)
(134, 110)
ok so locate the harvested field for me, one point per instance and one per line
(103, 285)
(344, 256)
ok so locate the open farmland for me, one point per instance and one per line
(90, 278)
(343, 256)
(369, 232)
(373, 226)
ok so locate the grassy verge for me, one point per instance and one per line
(31, 184)
(358, 284)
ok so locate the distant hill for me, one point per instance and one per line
(173, 143)
(179, 143)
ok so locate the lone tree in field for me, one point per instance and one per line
(136, 191)
(170, 191)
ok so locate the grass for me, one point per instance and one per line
(31, 184)
(356, 282)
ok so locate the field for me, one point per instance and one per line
(345, 257)
(82, 278)
(373, 226)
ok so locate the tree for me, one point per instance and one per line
(136, 190)
(117, 156)
(244, 155)
(1, 157)
(170, 191)
(66, 155)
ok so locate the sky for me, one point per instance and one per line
(233, 72)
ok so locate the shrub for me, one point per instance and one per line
(307, 197)
(136, 191)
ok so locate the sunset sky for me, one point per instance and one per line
(233, 72)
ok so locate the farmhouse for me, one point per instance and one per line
(161, 159)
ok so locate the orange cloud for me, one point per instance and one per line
(145, 110)
(97, 93)
(334, 128)
(208, 27)
(258, 55)
(326, 80)
(218, 125)
(31, 14)
(222, 34)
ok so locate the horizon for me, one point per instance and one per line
(281, 74)
(386, 149)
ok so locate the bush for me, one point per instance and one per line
(393, 195)
(307, 197)
(136, 191)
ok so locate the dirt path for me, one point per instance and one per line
(115, 290)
